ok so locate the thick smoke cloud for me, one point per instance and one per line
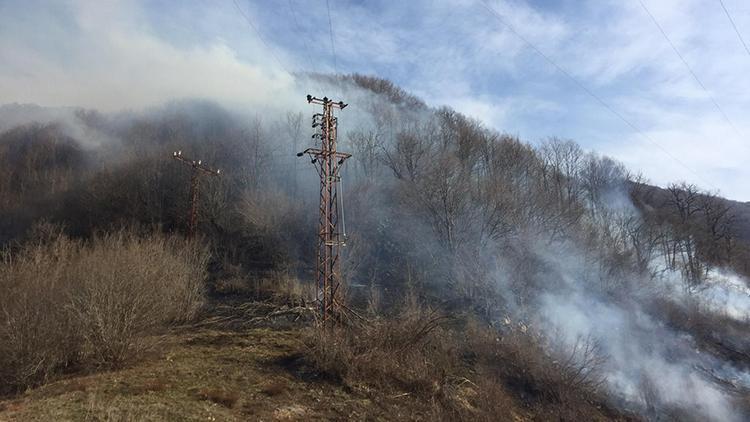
(648, 365)
(104, 56)
(117, 55)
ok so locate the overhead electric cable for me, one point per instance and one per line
(689, 69)
(270, 48)
(736, 31)
(580, 84)
(337, 77)
(298, 28)
(330, 31)
(261, 38)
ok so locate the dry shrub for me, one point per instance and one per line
(37, 333)
(232, 286)
(384, 351)
(69, 303)
(465, 370)
(411, 352)
(276, 286)
(126, 286)
(718, 333)
(553, 379)
(290, 290)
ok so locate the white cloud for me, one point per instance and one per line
(615, 50)
(131, 54)
(490, 112)
(114, 61)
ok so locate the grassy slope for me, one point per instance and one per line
(211, 373)
(207, 374)
(234, 364)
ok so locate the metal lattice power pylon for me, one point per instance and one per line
(328, 162)
(198, 170)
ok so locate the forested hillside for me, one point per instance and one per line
(493, 275)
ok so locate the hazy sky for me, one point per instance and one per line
(115, 55)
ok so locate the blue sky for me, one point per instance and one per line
(114, 55)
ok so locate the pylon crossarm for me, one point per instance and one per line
(198, 170)
(326, 101)
(208, 170)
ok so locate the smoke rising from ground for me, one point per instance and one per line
(570, 292)
(648, 365)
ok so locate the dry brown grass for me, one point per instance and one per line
(223, 397)
(411, 353)
(556, 382)
(248, 363)
(69, 304)
(151, 386)
(274, 388)
(276, 286)
(465, 370)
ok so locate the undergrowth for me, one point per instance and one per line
(69, 304)
(464, 369)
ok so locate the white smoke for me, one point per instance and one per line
(722, 292)
(650, 366)
(642, 352)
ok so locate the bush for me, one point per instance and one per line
(466, 371)
(275, 286)
(557, 378)
(37, 333)
(386, 351)
(69, 303)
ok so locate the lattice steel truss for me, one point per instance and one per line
(328, 162)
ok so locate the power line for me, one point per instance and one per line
(298, 29)
(261, 38)
(330, 31)
(689, 69)
(268, 46)
(337, 78)
(575, 80)
(736, 31)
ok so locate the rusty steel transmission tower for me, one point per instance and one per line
(328, 162)
(198, 170)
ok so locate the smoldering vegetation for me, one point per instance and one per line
(540, 274)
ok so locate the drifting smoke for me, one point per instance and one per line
(727, 293)
(723, 292)
(649, 366)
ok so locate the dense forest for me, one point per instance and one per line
(535, 269)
